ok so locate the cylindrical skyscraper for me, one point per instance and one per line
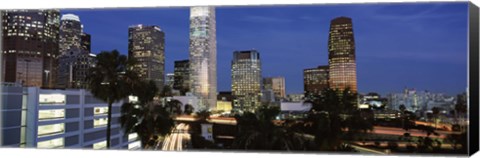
(341, 55)
(203, 55)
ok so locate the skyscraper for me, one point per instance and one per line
(315, 80)
(203, 55)
(277, 85)
(71, 30)
(30, 46)
(169, 79)
(75, 59)
(341, 56)
(181, 76)
(146, 44)
(246, 79)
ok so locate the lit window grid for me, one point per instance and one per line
(246, 82)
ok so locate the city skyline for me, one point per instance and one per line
(424, 65)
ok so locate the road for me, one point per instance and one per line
(413, 132)
(178, 138)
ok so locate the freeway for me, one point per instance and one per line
(177, 140)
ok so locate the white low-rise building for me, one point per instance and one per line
(45, 118)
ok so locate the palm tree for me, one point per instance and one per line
(151, 122)
(174, 107)
(111, 80)
(333, 113)
(147, 118)
(188, 109)
(256, 131)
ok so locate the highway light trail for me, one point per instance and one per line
(177, 139)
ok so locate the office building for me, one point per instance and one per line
(146, 44)
(247, 79)
(71, 30)
(169, 79)
(295, 97)
(203, 55)
(267, 96)
(315, 80)
(30, 46)
(341, 55)
(73, 69)
(225, 101)
(43, 118)
(181, 76)
(414, 100)
(277, 85)
(75, 59)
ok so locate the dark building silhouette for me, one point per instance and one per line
(341, 55)
(146, 44)
(182, 76)
(86, 42)
(315, 80)
(30, 46)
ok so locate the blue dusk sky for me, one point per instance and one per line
(414, 45)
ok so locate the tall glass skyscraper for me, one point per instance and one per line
(30, 46)
(203, 56)
(246, 79)
(341, 55)
(146, 44)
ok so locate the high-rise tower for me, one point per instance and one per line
(341, 55)
(146, 44)
(203, 55)
(75, 59)
(30, 46)
(315, 80)
(246, 79)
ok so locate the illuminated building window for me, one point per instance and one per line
(134, 145)
(100, 122)
(100, 145)
(100, 110)
(51, 129)
(132, 136)
(51, 114)
(52, 99)
(54, 143)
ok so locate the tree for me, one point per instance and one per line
(111, 80)
(146, 117)
(188, 109)
(256, 131)
(174, 107)
(333, 116)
